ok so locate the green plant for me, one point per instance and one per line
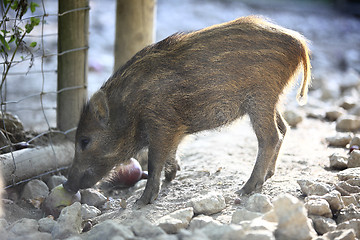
(13, 32)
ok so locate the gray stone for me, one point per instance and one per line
(338, 162)
(55, 180)
(292, 219)
(293, 118)
(24, 226)
(339, 140)
(188, 235)
(313, 188)
(353, 224)
(92, 197)
(333, 115)
(348, 234)
(346, 188)
(201, 221)
(355, 111)
(46, 224)
(348, 213)
(243, 214)
(354, 159)
(259, 203)
(349, 200)
(109, 229)
(88, 212)
(33, 236)
(69, 222)
(350, 173)
(208, 204)
(355, 141)
(318, 207)
(177, 220)
(323, 225)
(143, 228)
(348, 123)
(35, 190)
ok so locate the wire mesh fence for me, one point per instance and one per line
(29, 82)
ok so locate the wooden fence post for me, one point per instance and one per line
(73, 30)
(134, 28)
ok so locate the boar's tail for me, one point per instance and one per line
(305, 59)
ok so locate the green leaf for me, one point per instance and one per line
(12, 38)
(3, 41)
(33, 6)
(29, 27)
(15, 5)
(35, 21)
(33, 44)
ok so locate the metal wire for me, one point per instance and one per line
(4, 102)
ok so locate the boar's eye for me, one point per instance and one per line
(84, 141)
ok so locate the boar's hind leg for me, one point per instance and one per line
(172, 166)
(282, 130)
(162, 148)
(266, 130)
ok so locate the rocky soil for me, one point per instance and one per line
(314, 194)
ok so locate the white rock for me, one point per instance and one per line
(201, 221)
(353, 224)
(348, 213)
(354, 159)
(92, 197)
(313, 188)
(348, 123)
(293, 118)
(109, 229)
(55, 180)
(243, 214)
(143, 228)
(259, 235)
(223, 232)
(318, 207)
(292, 219)
(348, 234)
(35, 190)
(177, 220)
(322, 224)
(259, 203)
(24, 226)
(208, 204)
(350, 173)
(88, 212)
(335, 200)
(339, 140)
(69, 222)
(46, 224)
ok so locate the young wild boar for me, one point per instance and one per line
(188, 83)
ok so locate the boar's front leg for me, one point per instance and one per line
(162, 150)
(269, 141)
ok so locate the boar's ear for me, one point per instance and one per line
(99, 106)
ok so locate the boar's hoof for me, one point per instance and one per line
(250, 187)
